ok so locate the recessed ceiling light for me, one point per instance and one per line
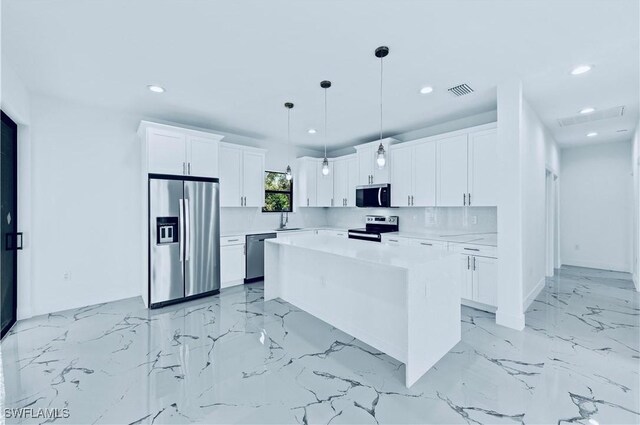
(581, 69)
(592, 134)
(587, 110)
(155, 89)
(312, 131)
(427, 89)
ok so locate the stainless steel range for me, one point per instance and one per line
(376, 225)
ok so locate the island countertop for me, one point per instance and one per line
(372, 252)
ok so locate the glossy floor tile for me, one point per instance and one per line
(235, 359)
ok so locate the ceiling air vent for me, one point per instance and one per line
(604, 114)
(460, 90)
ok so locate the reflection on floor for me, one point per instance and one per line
(233, 358)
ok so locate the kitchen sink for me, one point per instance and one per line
(286, 229)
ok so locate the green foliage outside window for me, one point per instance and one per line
(278, 192)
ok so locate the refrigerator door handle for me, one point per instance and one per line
(187, 232)
(180, 228)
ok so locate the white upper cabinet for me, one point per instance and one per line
(424, 175)
(241, 176)
(345, 180)
(324, 185)
(452, 171)
(483, 172)
(401, 176)
(413, 175)
(203, 157)
(230, 176)
(368, 170)
(179, 151)
(305, 190)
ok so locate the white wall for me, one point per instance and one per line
(540, 149)
(635, 165)
(596, 206)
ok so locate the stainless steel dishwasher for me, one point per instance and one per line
(255, 256)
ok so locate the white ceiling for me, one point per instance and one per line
(230, 65)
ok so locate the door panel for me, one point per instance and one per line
(8, 224)
(352, 181)
(325, 185)
(203, 157)
(424, 175)
(253, 179)
(401, 178)
(230, 176)
(452, 171)
(483, 168)
(365, 165)
(485, 280)
(166, 266)
(202, 231)
(340, 177)
(466, 278)
(167, 152)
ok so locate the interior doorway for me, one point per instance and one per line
(552, 223)
(10, 240)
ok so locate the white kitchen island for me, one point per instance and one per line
(402, 301)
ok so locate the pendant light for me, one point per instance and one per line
(289, 106)
(325, 162)
(381, 157)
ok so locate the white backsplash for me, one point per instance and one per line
(253, 219)
(422, 219)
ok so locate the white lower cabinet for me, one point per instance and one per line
(295, 233)
(330, 232)
(479, 279)
(232, 261)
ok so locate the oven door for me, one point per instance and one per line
(373, 237)
(373, 196)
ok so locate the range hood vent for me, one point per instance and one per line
(460, 90)
(604, 114)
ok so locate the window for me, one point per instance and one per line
(278, 192)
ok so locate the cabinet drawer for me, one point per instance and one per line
(231, 240)
(430, 243)
(395, 240)
(477, 250)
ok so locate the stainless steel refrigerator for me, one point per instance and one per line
(184, 238)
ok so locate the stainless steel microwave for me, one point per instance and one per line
(373, 196)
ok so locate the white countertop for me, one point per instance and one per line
(486, 239)
(395, 256)
(260, 231)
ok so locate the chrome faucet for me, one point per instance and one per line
(284, 219)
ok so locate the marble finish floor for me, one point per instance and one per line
(235, 359)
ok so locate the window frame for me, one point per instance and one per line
(286, 192)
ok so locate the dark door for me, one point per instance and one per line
(10, 241)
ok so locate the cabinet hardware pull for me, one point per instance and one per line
(411, 200)
(233, 240)
(184, 168)
(425, 243)
(188, 168)
(468, 262)
(469, 199)
(472, 249)
(307, 201)
(393, 240)
(408, 200)
(474, 263)
(464, 199)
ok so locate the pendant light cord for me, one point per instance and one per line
(289, 130)
(381, 70)
(325, 123)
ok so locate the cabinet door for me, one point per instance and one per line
(365, 165)
(424, 175)
(401, 165)
(309, 178)
(352, 181)
(203, 157)
(230, 171)
(485, 280)
(340, 182)
(167, 152)
(483, 168)
(466, 277)
(325, 185)
(232, 264)
(452, 171)
(253, 179)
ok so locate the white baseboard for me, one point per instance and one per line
(533, 294)
(597, 265)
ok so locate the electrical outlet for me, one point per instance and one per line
(577, 247)
(67, 275)
(474, 219)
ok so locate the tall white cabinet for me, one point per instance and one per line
(413, 174)
(241, 176)
(345, 180)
